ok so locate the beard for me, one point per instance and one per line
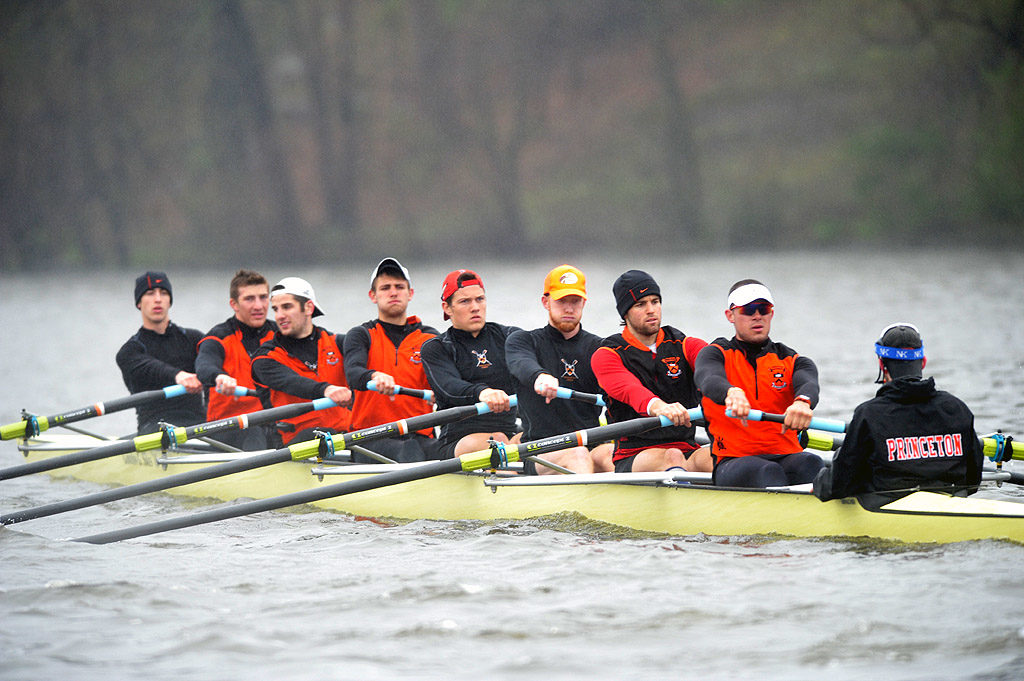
(563, 326)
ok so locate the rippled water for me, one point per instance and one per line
(319, 595)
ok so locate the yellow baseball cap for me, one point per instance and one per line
(565, 280)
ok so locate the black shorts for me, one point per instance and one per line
(446, 450)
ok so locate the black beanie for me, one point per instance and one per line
(152, 280)
(630, 287)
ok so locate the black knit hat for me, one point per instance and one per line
(152, 280)
(630, 287)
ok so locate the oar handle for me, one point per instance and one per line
(401, 390)
(570, 394)
(817, 423)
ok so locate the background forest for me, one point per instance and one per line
(268, 132)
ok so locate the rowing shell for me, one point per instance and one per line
(674, 503)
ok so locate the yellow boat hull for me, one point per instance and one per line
(670, 509)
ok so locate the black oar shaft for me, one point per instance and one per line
(41, 423)
(430, 469)
(156, 440)
(345, 440)
(408, 474)
(176, 480)
(72, 459)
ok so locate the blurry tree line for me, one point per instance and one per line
(314, 131)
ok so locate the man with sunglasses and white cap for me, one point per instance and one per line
(751, 371)
(386, 350)
(302, 362)
(908, 436)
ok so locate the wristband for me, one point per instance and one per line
(803, 398)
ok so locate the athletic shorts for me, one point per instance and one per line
(530, 468)
(623, 456)
(447, 449)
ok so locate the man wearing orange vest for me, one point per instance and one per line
(752, 371)
(386, 350)
(302, 362)
(225, 357)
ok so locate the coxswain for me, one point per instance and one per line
(647, 370)
(557, 355)
(909, 436)
(302, 362)
(466, 365)
(225, 357)
(387, 351)
(751, 371)
(160, 354)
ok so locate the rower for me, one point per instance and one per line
(225, 355)
(647, 370)
(302, 362)
(466, 364)
(161, 353)
(908, 436)
(752, 371)
(386, 351)
(553, 356)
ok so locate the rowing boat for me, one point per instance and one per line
(672, 502)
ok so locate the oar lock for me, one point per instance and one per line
(1004, 447)
(31, 424)
(499, 456)
(326, 447)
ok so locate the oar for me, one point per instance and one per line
(998, 448)
(570, 394)
(31, 425)
(400, 390)
(164, 438)
(820, 424)
(296, 452)
(485, 458)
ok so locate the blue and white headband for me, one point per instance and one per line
(904, 354)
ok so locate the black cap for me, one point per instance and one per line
(149, 280)
(630, 287)
(901, 350)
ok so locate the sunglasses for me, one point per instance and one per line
(752, 309)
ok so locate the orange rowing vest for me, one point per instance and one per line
(329, 368)
(768, 385)
(238, 365)
(404, 364)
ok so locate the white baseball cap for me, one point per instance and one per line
(297, 287)
(389, 264)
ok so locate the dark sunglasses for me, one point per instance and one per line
(752, 309)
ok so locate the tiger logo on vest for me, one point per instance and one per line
(672, 366)
(778, 377)
(481, 359)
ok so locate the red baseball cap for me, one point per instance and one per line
(451, 283)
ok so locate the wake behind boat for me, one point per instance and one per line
(671, 502)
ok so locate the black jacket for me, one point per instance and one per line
(459, 367)
(909, 435)
(545, 350)
(150, 361)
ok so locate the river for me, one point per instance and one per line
(317, 595)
